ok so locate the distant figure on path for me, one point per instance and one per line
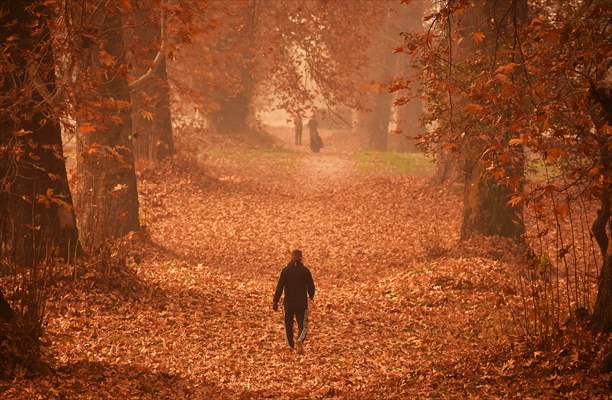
(296, 281)
(315, 140)
(299, 127)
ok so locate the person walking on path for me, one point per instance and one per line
(297, 283)
(315, 140)
(299, 127)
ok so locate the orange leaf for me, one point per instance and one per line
(516, 141)
(562, 210)
(515, 200)
(87, 128)
(506, 69)
(478, 37)
(554, 154)
(22, 132)
(147, 115)
(474, 108)
(106, 58)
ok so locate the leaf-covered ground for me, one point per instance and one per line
(401, 310)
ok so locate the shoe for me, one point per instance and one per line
(299, 347)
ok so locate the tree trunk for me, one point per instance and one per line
(107, 199)
(485, 203)
(373, 120)
(151, 116)
(602, 314)
(37, 219)
(602, 226)
(447, 168)
(377, 121)
(6, 312)
(409, 115)
(236, 109)
(485, 207)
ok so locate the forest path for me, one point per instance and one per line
(194, 321)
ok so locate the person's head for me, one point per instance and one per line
(296, 255)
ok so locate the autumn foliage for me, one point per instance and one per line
(477, 265)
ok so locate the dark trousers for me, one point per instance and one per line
(298, 136)
(292, 314)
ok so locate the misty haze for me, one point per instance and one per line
(305, 199)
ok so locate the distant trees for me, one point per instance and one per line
(283, 54)
(386, 73)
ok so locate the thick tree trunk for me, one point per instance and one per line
(151, 116)
(107, 199)
(485, 207)
(409, 115)
(37, 219)
(485, 203)
(602, 314)
(235, 110)
(373, 120)
(409, 125)
(6, 312)
(447, 168)
(602, 226)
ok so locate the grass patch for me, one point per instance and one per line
(246, 155)
(394, 163)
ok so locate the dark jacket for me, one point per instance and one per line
(296, 280)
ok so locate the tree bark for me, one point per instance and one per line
(602, 314)
(447, 168)
(409, 115)
(151, 116)
(107, 199)
(6, 312)
(602, 226)
(485, 203)
(37, 219)
(234, 110)
(373, 120)
(485, 207)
